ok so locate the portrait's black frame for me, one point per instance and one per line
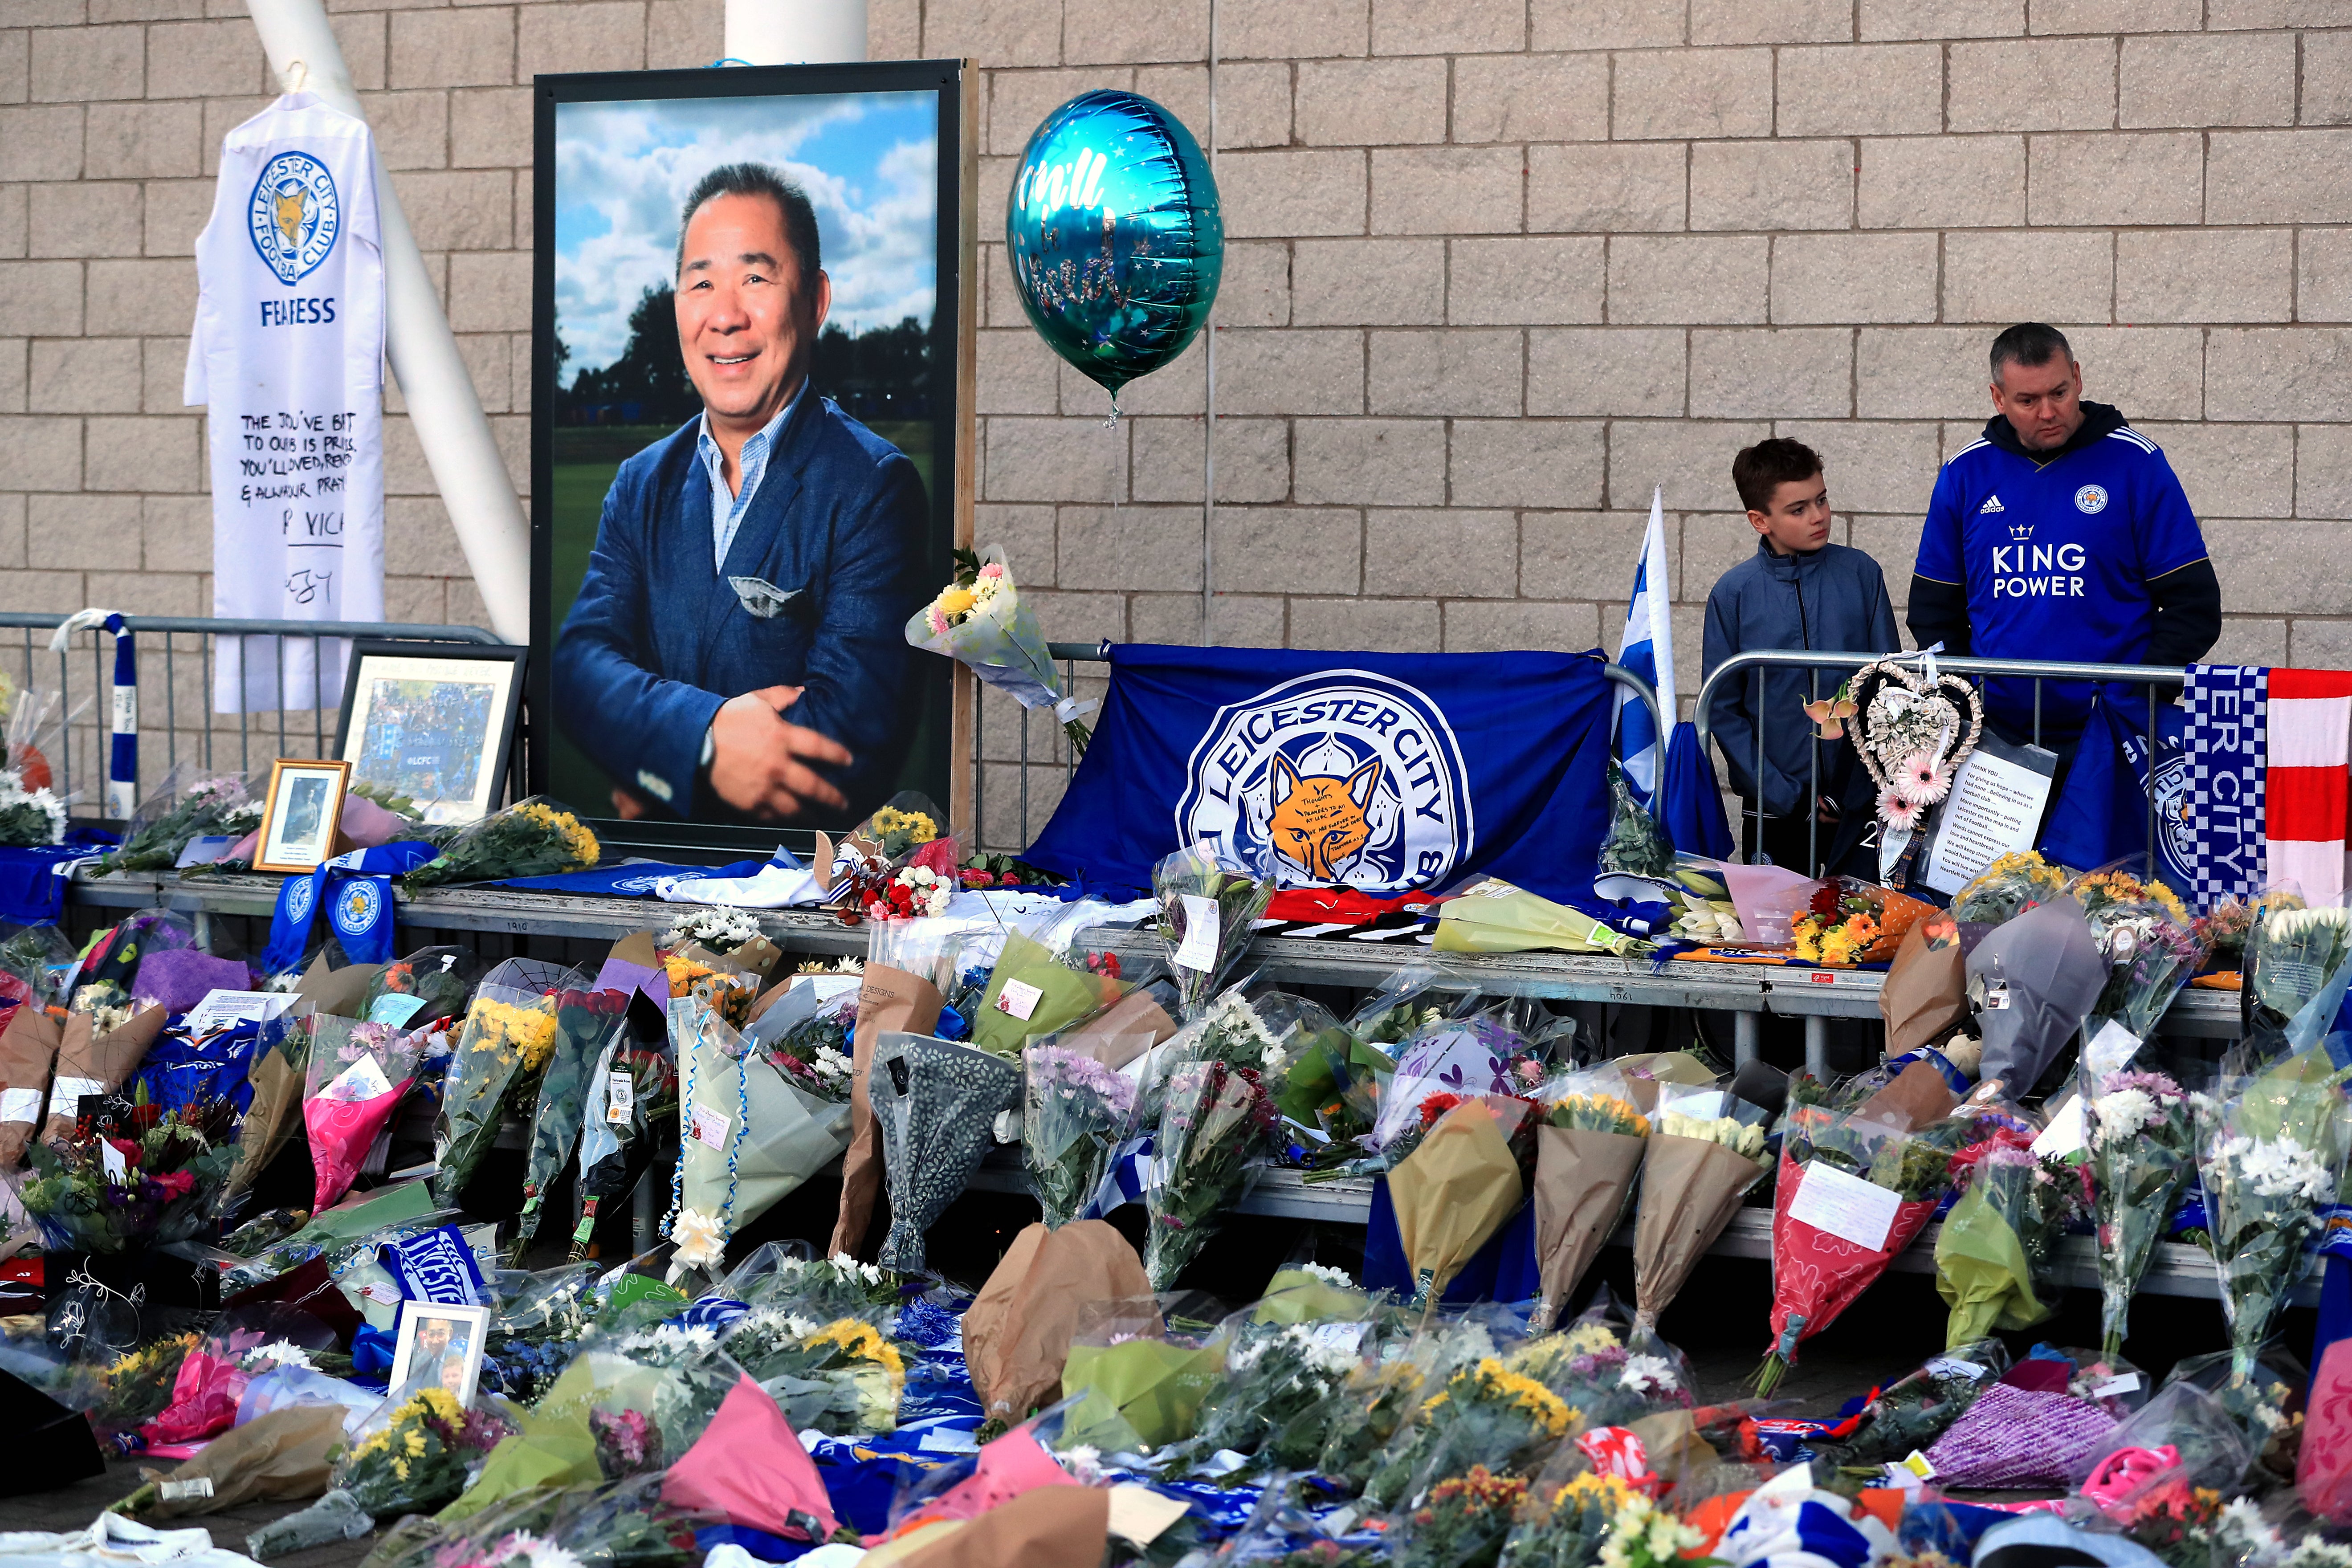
(499, 746)
(951, 462)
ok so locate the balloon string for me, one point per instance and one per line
(1112, 423)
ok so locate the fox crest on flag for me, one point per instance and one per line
(288, 351)
(1647, 649)
(1380, 772)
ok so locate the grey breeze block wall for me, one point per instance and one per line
(1496, 267)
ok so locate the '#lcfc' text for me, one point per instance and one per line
(300, 313)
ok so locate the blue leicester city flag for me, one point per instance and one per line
(1383, 772)
(2102, 810)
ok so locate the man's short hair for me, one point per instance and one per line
(2028, 343)
(1763, 469)
(759, 180)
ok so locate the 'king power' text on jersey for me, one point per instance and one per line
(2057, 555)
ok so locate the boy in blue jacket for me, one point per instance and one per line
(1798, 590)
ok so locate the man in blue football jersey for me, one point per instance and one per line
(2062, 534)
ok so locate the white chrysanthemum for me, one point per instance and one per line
(1329, 1276)
(1644, 1373)
(2122, 1115)
(2280, 1168)
(278, 1352)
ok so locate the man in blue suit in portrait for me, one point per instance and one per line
(737, 651)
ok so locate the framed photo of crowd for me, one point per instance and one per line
(751, 441)
(432, 722)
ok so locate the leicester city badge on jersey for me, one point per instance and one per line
(1344, 776)
(294, 216)
(361, 912)
(2091, 500)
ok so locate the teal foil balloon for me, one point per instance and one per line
(1115, 236)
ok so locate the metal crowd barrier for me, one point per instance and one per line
(1757, 662)
(1072, 655)
(197, 639)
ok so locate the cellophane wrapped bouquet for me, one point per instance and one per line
(1816, 1272)
(2270, 1151)
(191, 804)
(1075, 1113)
(981, 621)
(118, 1187)
(586, 1021)
(2009, 887)
(1388, 1396)
(413, 1458)
(534, 838)
(2292, 950)
(1287, 1383)
(1208, 914)
(358, 1075)
(510, 1035)
(841, 1375)
(2142, 1144)
(2151, 945)
(1216, 1117)
(1489, 1414)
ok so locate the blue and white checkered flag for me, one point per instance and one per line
(1647, 649)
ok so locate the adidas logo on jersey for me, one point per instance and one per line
(1992, 503)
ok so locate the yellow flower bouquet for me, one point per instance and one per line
(534, 838)
(509, 1034)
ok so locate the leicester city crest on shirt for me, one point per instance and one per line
(358, 904)
(294, 216)
(1340, 776)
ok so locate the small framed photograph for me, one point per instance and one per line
(439, 1347)
(432, 722)
(299, 817)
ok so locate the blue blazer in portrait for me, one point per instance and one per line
(659, 637)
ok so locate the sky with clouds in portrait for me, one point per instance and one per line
(869, 162)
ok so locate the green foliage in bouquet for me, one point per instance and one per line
(533, 838)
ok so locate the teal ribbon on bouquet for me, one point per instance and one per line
(356, 892)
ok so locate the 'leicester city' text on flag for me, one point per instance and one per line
(1384, 772)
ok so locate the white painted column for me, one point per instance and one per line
(796, 32)
(443, 406)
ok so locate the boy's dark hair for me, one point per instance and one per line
(2028, 343)
(1762, 468)
(758, 180)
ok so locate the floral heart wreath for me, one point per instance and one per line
(1914, 729)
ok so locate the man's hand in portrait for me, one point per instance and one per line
(760, 763)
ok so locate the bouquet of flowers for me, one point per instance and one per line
(1588, 1152)
(815, 1049)
(716, 982)
(585, 1021)
(2150, 944)
(429, 984)
(1596, 1519)
(1032, 992)
(1496, 916)
(2267, 1156)
(980, 621)
(632, 1100)
(1694, 1174)
(1283, 1387)
(843, 1375)
(1208, 916)
(728, 931)
(510, 1035)
(1462, 1520)
(29, 817)
(359, 1073)
(2009, 887)
(114, 1187)
(1996, 1246)
(534, 838)
(1486, 1414)
(214, 805)
(537, 1328)
(413, 1457)
(2293, 952)
(2143, 1149)
(783, 1274)
(138, 1385)
(1214, 1120)
(1854, 921)
(1075, 1113)
(2224, 930)
(1818, 1273)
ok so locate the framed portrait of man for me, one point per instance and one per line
(751, 445)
